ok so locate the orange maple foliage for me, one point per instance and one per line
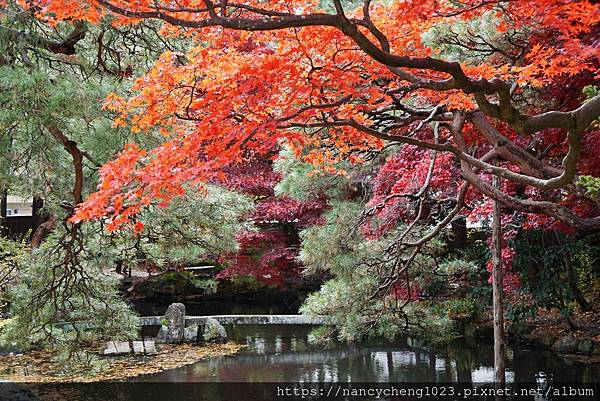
(335, 83)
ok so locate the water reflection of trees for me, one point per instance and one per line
(284, 355)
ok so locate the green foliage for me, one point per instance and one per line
(460, 311)
(590, 91)
(322, 335)
(33, 162)
(66, 282)
(245, 283)
(62, 305)
(337, 245)
(519, 311)
(476, 254)
(175, 282)
(12, 254)
(541, 262)
(356, 264)
(191, 229)
(303, 181)
(39, 88)
(208, 285)
(590, 184)
(77, 360)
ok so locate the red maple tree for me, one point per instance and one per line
(268, 254)
(337, 82)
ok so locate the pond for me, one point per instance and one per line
(283, 354)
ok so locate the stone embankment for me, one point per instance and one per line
(563, 342)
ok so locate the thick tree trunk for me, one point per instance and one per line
(77, 155)
(499, 362)
(42, 231)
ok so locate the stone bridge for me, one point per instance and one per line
(176, 326)
(241, 319)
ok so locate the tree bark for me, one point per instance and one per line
(77, 155)
(42, 231)
(499, 362)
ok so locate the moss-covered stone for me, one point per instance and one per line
(519, 329)
(540, 339)
(566, 344)
(586, 346)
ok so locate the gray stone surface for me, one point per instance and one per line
(114, 348)
(214, 331)
(586, 346)
(541, 339)
(243, 319)
(596, 350)
(191, 334)
(566, 344)
(173, 327)
(149, 347)
(117, 348)
(163, 332)
(138, 347)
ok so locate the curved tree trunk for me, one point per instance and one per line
(42, 231)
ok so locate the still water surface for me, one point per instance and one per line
(283, 354)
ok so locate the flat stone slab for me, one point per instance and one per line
(114, 348)
(138, 347)
(149, 347)
(117, 348)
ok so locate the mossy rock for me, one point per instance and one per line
(566, 344)
(586, 346)
(541, 339)
(214, 332)
(520, 329)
